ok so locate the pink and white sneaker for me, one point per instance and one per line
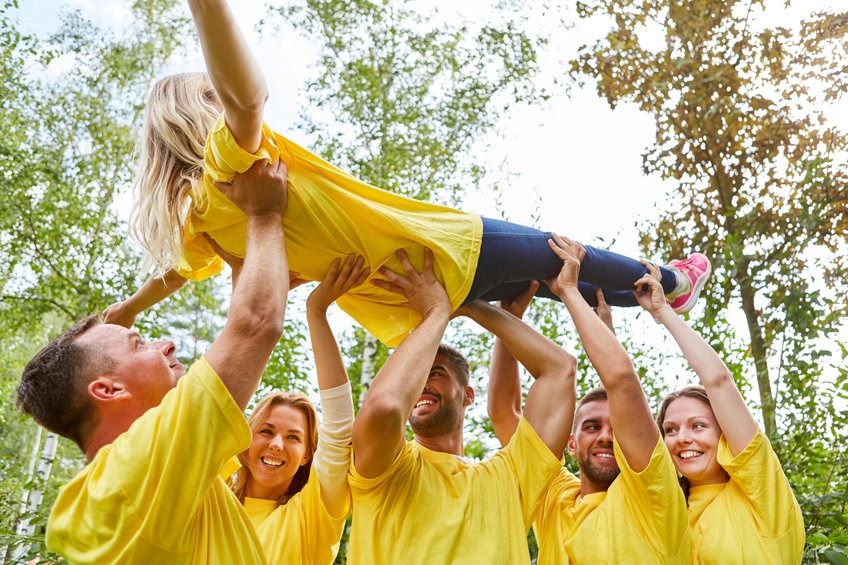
(693, 273)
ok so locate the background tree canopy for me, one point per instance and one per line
(755, 170)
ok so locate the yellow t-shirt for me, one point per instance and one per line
(753, 518)
(302, 531)
(641, 518)
(154, 495)
(332, 214)
(432, 507)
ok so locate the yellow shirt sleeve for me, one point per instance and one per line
(402, 462)
(533, 465)
(756, 471)
(155, 494)
(655, 504)
(186, 440)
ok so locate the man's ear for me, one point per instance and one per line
(572, 445)
(469, 396)
(106, 389)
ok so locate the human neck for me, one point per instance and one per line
(105, 432)
(449, 443)
(588, 486)
(255, 490)
(714, 480)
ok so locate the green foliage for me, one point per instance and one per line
(760, 175)
(399, 99)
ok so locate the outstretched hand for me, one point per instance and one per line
(422, 290)
(571, 253)
(649, 292)
(120, 314)
(340, 278)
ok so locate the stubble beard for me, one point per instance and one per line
(600, 476)
(447, 419)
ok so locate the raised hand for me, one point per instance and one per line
(340, 278)
(603, 309)
(571, 253)
(422, 290)
(517, 306)
(649, 292)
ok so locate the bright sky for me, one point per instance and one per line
(581, 159)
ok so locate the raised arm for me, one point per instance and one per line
(257, 307)
(378, 429)
(332, 457)
(153, 291)
(340, 278)
(550, 402)
(737, 424)
(504, 394)
(630, 416)
(234, 72)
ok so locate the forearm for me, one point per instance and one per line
(234, 72)
(402, 378)
(260, 296)
(154, 291)
(504, 394)
(332, 456)
(329, 366)
(709, 367)
(535, 352)
(602, 348)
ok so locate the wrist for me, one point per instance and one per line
(663, 313)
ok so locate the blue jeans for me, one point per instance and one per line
(512, 255)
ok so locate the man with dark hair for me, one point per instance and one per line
(421, 501)
(625, 507)
(156, 439)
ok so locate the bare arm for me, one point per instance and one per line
(378, 429)
(736, 422)
(332, 457)
(550, 402)
(340, 278)
(234, 72)
(255, 321)
(630, 416)
(504, 394)
(153, 291)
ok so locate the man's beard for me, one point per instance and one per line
(598, 475)
(445, 420)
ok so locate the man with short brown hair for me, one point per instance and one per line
(157, 440)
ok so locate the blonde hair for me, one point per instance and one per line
(179, 115)
(239, 481)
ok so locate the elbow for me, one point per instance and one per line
(252, 103)
(260, 326)
(717, 379)
(383, 412)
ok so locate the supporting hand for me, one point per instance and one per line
(649, 292)
(517, 306)
(340, 278)
(259, 190)
(422, 290)
(571, 253)
(603, 309)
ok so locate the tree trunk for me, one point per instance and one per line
(33, 498)
(759, 353)
(369, 355)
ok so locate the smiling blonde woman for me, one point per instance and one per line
(293, 478)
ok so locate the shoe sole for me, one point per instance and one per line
(696, 292)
